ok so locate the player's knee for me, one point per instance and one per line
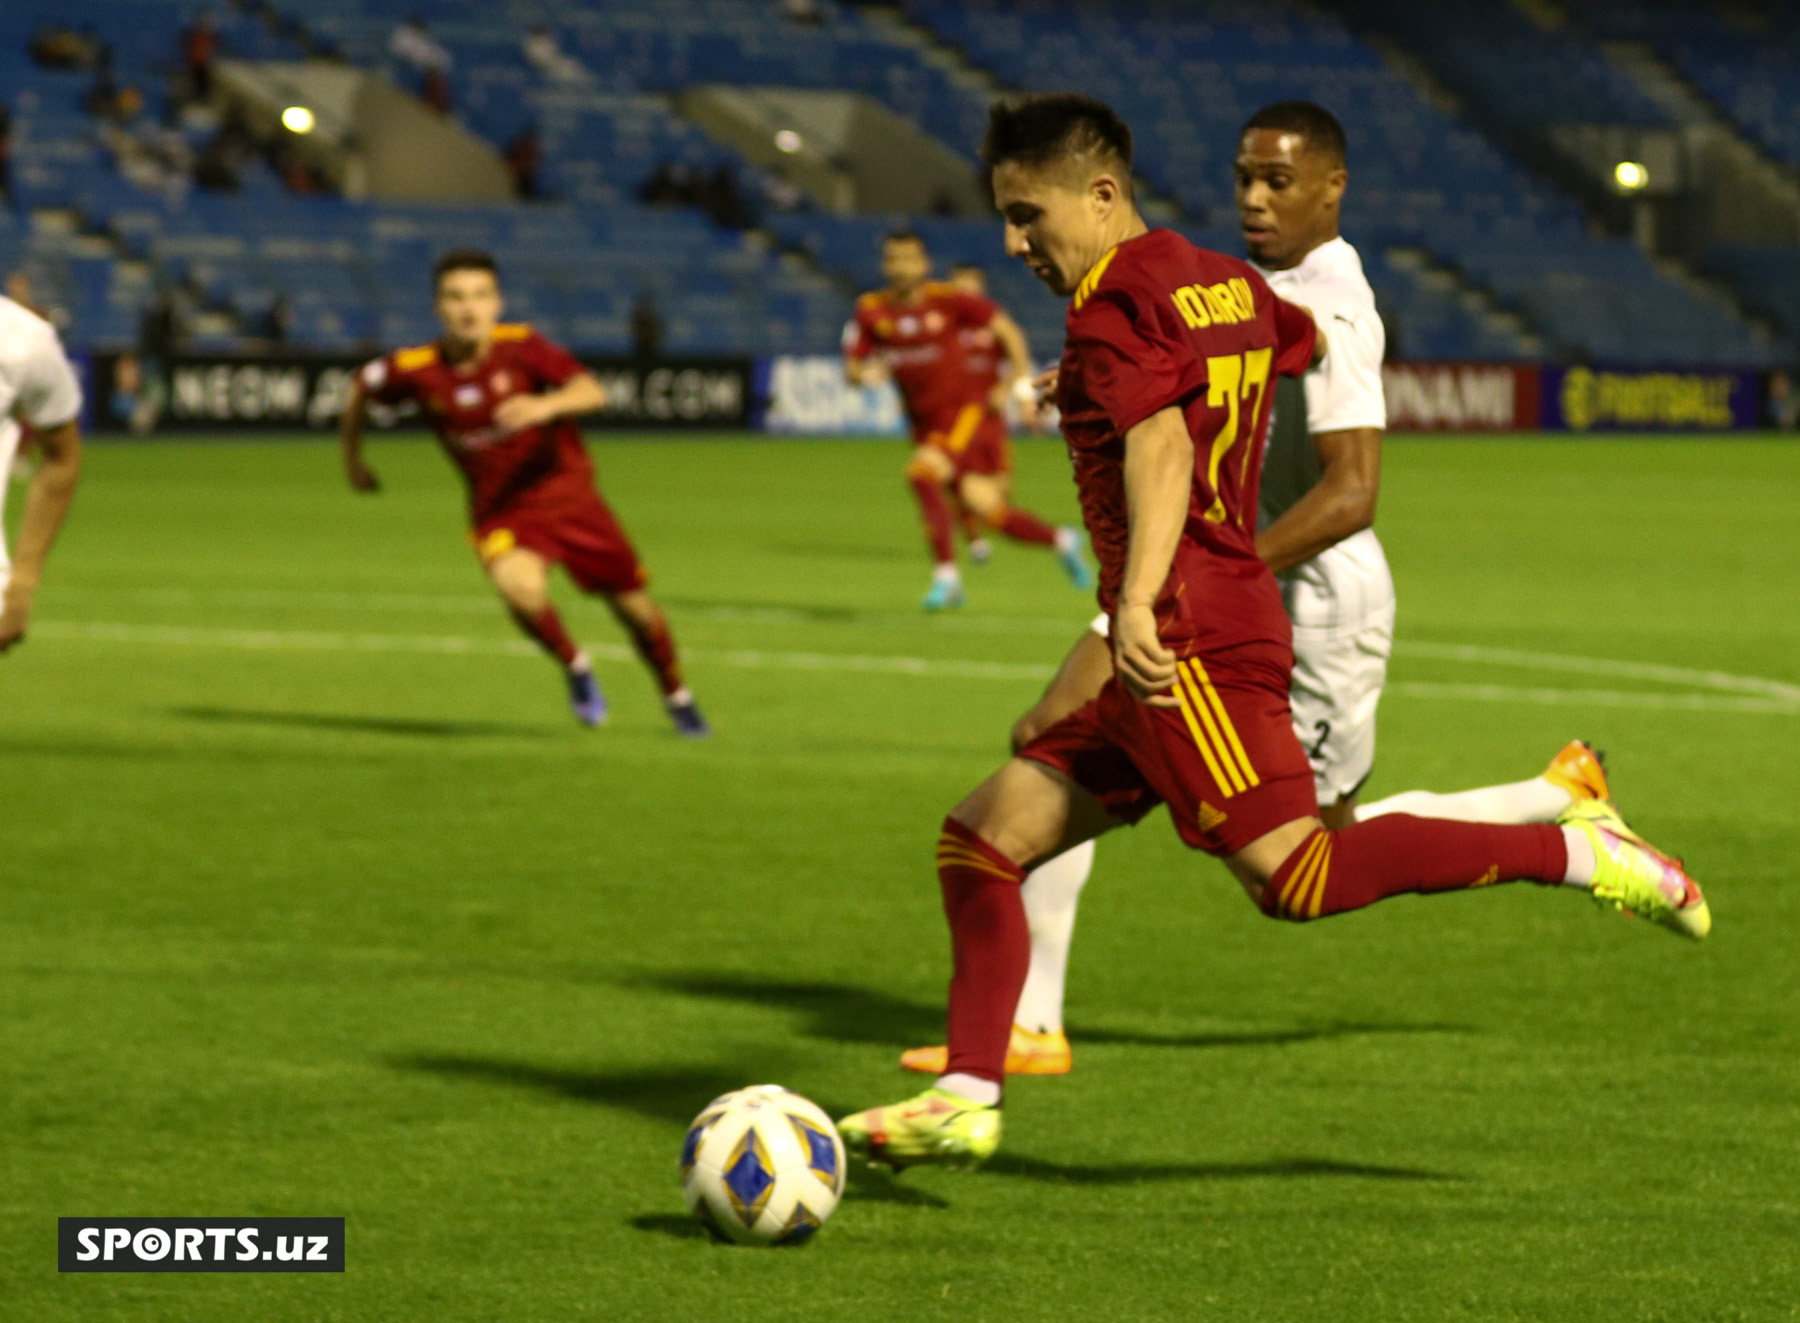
(1026, 729)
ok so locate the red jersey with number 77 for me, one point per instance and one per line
(1161, 323)
(502, 468)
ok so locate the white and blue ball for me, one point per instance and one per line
(762, 1166)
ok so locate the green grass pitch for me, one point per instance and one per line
(314, 901)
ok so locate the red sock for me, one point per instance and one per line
(1332, 872)
(1023, 526)
(990, 944)
(657, 647)
(546, 627)
(937, 517)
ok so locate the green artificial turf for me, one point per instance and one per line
(314, 901)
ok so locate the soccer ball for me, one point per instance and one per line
(762, 1166)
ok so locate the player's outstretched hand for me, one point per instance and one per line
(362, 477)
(15, 615)
(1145, 667)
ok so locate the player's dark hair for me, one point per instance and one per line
(1059, 126)
(904, 236)
(1313, 122)
(462, 259)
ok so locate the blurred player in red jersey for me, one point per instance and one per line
(503, 401)
(913, 330)
(1165, 390)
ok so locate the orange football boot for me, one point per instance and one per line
(1579, 769)
(1029, 1053)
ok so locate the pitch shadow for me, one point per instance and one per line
(846, 1013)
(799, 610)
(841, 1012)
(410, 726)
(675, 1095)
(678, 1226)
(1258, 1037)
(1136, 1173)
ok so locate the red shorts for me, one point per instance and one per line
(1226, 762)
(575, 530)
(974, 437)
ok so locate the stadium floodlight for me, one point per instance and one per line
(788, 141)
(297, 119)
(1630, 176)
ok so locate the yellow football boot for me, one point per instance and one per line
(937, 1127)
(1633, 876)
(1029, 1053)
(1579, 769)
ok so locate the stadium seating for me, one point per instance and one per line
(1745, 59)
(1187, 75)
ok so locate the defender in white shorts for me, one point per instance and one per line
(1320, 476)
(39, 388)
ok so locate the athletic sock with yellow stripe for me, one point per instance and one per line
(990, 944)
(1331, 872)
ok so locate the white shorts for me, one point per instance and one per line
(1342, 605)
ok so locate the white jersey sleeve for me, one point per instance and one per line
(1344, 390)
(36, 381)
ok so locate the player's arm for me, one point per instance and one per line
(351, 426)
(1077, 682)
(1342, 502)
(862, 367)
(1018, 353)
(46, 505)
(1159, 475)
(580, 394)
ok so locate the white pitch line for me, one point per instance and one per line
(1639, 700)
(259, 640)
(280, 640)
(1624, 670)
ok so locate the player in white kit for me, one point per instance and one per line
(1321, 475)
(38, 388)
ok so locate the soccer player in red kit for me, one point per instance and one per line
(913, 330)
(503, 401)
(1165, 389)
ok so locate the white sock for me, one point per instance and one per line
(1065, 538)
(581, 663)
(1535, 800)
(680, 698)
(1582, 863)
(947, 573)
(972, 1087)
(1051, 893)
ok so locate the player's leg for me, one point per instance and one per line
(1052, 891)
(644, 621)
(522, 578)
(929, 473)
(973, 531)
(1296, 868)
(593, 548)
(1576, 775)
(1025, 812)
(984, 484)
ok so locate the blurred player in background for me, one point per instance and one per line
(1321, 475)
(39, 390)
(982, 357)
(503, 401)
(1165, 394)
(914, 331)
